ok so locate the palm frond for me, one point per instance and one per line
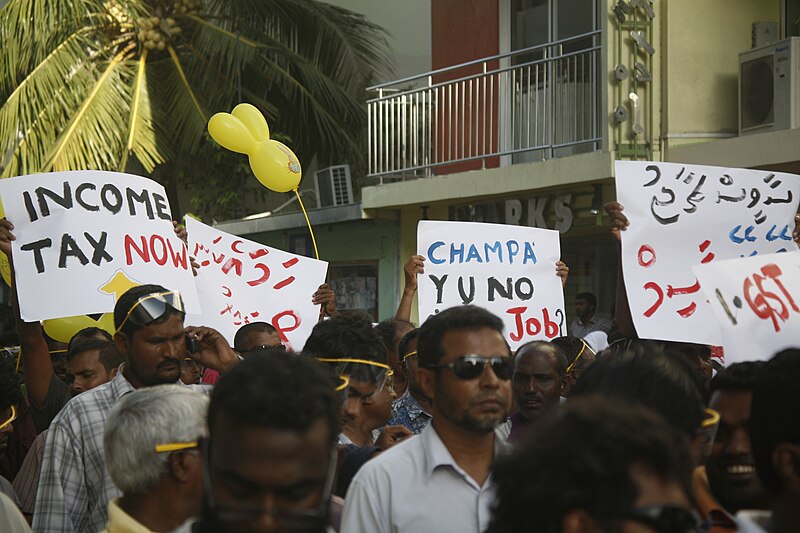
(88, 142)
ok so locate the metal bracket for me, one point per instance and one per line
(639, 39)
(621, 72)
(637, 125)
(641, 73)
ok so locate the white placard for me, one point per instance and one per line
(85, 237)
(756, 301)
(242, 281)
(684, 215)
(509, 270)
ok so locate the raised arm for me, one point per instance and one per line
(415, 265)
(622, 312)
(35, 355)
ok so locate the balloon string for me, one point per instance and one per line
(310, 229)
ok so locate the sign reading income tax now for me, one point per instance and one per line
(83, 238)
(509, 270)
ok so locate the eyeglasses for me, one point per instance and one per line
(176, 446)
(151, 307)
(10, 418)
(351, 367)
(471, 366)
(289, 519)
(585, 347)
(665, 518)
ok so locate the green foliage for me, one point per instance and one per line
(92, 84)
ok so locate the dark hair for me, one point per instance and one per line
(243, 332)
(470, 317)
(10, 391)
(126, 302)
(387, 329)
(108, 355)
(590, 298)
(570, 463)
(663, 381)
(569, 345)
(402, 347)
(775, 413)
(545, 347)
(276, 391)
(347, 335)
(85, 334)
(737, 377)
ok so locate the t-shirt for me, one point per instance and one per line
(57, 397)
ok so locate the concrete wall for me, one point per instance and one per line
(702, 41)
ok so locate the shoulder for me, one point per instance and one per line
(405, 458)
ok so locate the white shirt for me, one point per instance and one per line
(417, 486)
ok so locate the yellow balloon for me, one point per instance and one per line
(276, 166)
(63, 329)
(5, 266)
(246, 131)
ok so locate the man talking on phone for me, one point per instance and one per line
(75, 486)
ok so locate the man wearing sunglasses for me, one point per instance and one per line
(75, 487)
(151, 447)
(270, 458)
(441, 480)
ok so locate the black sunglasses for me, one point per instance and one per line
(277, 347)
(472, 366)
(665, 518)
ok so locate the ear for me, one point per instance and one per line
(113, 373)
(231, 133)
(578, 521)
(253, 120)
(427, 382)
(563, 389)
(183, 464)
(121, 341)
(786, 461)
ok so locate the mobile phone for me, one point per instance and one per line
(191, 344)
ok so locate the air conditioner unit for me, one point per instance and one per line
(333, 186)
(769, 87)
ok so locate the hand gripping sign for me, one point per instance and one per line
(506, 269)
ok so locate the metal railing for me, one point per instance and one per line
(531, 104)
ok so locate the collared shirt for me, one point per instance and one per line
(121, 522)
(753, 521)
(28, 476)
(596, 323)
(75, 486)
(417, 486)
(715, 518)
(406, 411)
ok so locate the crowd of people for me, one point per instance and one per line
(391, 427)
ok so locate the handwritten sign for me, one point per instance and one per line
(242, 281)
(756, 301)
(684, 215)
(85, 237)
(509, 270)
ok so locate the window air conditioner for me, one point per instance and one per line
(769, 87)
(333, 186)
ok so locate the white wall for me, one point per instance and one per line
(409, 25)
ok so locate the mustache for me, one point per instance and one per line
(169, 361)
(489, 396)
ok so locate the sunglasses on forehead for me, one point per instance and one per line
(472, 366)
(151, 307)
(664, 518)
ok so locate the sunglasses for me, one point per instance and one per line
(665, 518)
(151, 307)
(471, 366)
(10, 419)
(278, 347)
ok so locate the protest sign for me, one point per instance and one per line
(684, 215)
(241, 282)
(756, 301)
(85, 237)
(509, 270)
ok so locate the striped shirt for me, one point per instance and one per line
(75, 486)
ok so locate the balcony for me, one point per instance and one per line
(528, 105)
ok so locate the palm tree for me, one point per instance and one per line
(94, 84)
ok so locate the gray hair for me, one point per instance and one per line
(143, 419)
